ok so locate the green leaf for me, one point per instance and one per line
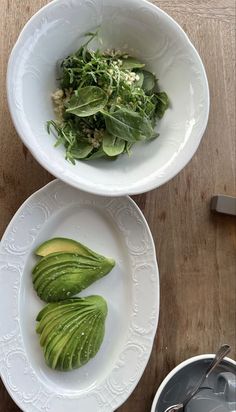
(149, 82)
(87, 101)
(131, 63)
(128, 148)
(162, 103)
(51, 124)
(81, 150)
(128, 125)
(97, 155)
(112, 145)
(154, 136)
(65, 81)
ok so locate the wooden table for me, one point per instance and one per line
(195, 249)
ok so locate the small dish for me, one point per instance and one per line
(218, 391)
(146, 32)
(113, 227)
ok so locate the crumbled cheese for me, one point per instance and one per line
(107, 52)
(59, 112)
(96, 144)
(129, 77)
(58, 100)
(57, 95)
(95, 138)
(98, 135)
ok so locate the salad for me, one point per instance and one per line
(107, 102)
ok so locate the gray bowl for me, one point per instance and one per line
(218, 393)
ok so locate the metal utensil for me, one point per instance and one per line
(175, 408)
(220, 354)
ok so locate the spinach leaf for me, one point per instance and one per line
(128, 125)
(131, 63)
(112, 145)
(162, 103)
(96, 155)
(81, 150)
(128, 148)
(87, 101)
(154, 136)
(149, 82)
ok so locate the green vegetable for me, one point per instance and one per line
(62, 244)
(128, 148)
(106, 99)
(87, 101)
(162, 104)
(131, 63)
(149, 82)
(128, 125)
(71, 332)
(97, 154)
(112, 145)
(60, 275)
(81, 150)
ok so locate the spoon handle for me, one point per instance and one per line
(222, 352)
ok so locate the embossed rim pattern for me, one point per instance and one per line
(150, 180)
(108, 395)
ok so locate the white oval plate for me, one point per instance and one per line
(113, 227)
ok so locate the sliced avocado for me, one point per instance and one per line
(67, 285)
(52, 273)
(72, 333)
(48, 277)
(52, 314)
(55, 259)
(51, 356)
(52, 270)
(56, 307)
(55, 345)
(52, 317)
(77, 341)
(62, 275)
(87, 350)
(48, 330)
(61, 244)
(67, 350)
(99, 331)
(77, 359)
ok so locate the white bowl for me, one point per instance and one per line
(147, 33)
(179, 368)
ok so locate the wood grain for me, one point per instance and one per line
(196, 250)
